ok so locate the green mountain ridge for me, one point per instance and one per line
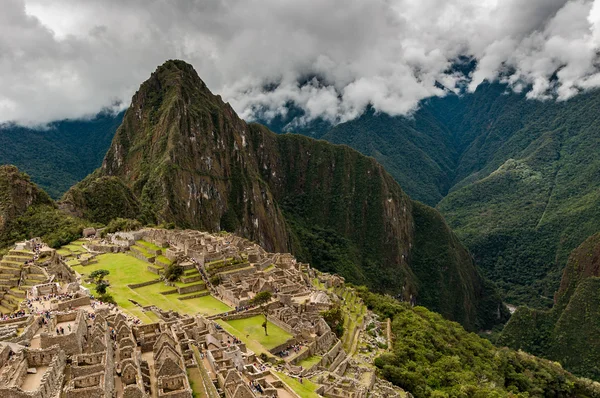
(431, 356)
(61, 154)
(516, 179)
(568, 332)
(183, 156)
(26, 211)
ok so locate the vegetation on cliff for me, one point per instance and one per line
(182, 156)
(26, 211)
(568, 332)
(516, 179)
(59, 155)
(433, 357)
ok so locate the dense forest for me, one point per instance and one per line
(516, 179)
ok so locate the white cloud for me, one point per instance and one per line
(70, 58)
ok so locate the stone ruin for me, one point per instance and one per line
(101, 353)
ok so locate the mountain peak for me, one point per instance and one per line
(183, 156)
(171, 81)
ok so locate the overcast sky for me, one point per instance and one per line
(70, 58)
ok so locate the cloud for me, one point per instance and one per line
(332, 58)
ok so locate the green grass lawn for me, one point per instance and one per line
(163, 260)
(148, 245)
(309, 362)
(125, 269)
(252, 327)
(306, 389)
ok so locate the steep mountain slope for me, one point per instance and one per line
(534, 197)
(61, 154)
(432, 357)
(516, 179)
(567, 333)
(183, 156)
(419, 152)
(26, 211)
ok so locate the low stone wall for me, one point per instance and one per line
(231, 267)
(191, 289)
(30, 330)
(305, 354)
(279, 383)
(93, 247)
(283, 346)
(140, 256)
(154, 269)
(77, 302)
(201, 294)
(136, 285)
(242, 315)
(190, 279)
(15, 320)
(281, 324)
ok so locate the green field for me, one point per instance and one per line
(306, 389)
(310, 361)
(125, 269)
(251, 332)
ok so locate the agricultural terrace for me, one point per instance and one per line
(354, 313)
(125, 270)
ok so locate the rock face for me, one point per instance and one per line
(184, 157)
(568, 332)
(17, 194)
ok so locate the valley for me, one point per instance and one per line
(258, 323)
(183, 159)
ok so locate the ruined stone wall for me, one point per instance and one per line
(76, 302)
(106, 248)
(281, 324)
(192, 288)
(322, 343)
(72, 342)
(29, 331)
(86, 364)
(51, 380)
(283, 346)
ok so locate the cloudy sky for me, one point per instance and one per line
(71, 58)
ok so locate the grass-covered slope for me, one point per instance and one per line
(183, 156)
(568, 332)
(26, 211)
(62, 153)
(433, 357)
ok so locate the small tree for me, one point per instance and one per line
(173, 273)
(98, 275)
(335, 319)
(101, 287)
(261, 299)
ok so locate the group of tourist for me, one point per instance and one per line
(235, 341)
(14, 315)
(37, 248)
(255, 387)
(291, 348)
(61, 330)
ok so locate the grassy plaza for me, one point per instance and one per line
(125, 269)
(250, 332)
